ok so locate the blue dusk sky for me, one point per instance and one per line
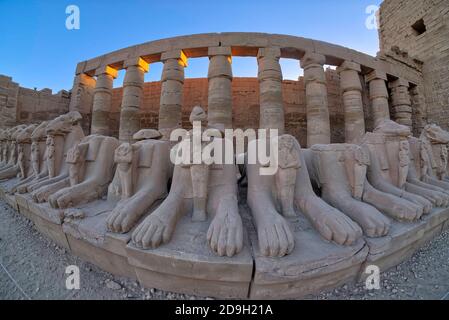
(37, 49)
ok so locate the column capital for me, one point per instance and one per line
(272, 52)
(375, 74)
(398, 83)
(312, 58)
(175, 54)
(138, 62)
(349, 66)
(106, 70)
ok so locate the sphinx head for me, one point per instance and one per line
(435, 135)
(63, 124)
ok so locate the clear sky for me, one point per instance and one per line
(37, 49)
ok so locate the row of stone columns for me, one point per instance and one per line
(271, 100)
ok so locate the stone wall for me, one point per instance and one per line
(419, 29)
(245, 96)
(22, 105)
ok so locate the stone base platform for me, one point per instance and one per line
(187, 264)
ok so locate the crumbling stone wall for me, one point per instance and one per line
(419, 30)
(20, 105)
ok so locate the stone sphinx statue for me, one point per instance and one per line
(10, 151)
(38, 169)
(20, 150)
(63, 133)
(3, 147)
(419, 164)
(272, 199)
(434, 142)
(142, 174)
(191, 192)
(91, 169)
(389, 165)
(339, 170)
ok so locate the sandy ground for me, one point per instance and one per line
(33, 267)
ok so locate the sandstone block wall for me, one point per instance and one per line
(22, 105)
(419, 29)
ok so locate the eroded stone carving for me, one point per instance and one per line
(20, 154)
(434, 142)
(63, 133)
(388, 171)
(340, 171)
(143, 171)
(225, 234)
(38, 168)
(91, 169)
(274, 233)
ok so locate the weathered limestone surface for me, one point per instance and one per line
(170, 111)
(378, 94)
(352, 101)
(131, 100)
(219, 75)
(318, 126)
(270, 84)
(102, 100)
(401, 102)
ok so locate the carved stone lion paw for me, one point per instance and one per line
(275, 236)
(225, 234)
(122, 220)
(374, 224)
(335, 226)
(407, 212)
(154, 231)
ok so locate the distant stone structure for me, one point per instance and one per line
(20, 105)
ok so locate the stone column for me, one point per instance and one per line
(170, 111)
(102, 100)
(82, 98)
(131, 99)
(219, 109)
(401, 103)
(378, 94)
(352, 101)
(317, 110)
(419, 110)
(270, 84)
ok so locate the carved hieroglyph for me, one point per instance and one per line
(269, 214)
(141, 178)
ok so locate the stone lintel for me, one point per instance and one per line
(80, 68)
(273, 52)
(348, 65)
(106, 70)
(138, 61)
(175, 54)
(219, 51)
(399, 83)
(311, 58)
(376, 74)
